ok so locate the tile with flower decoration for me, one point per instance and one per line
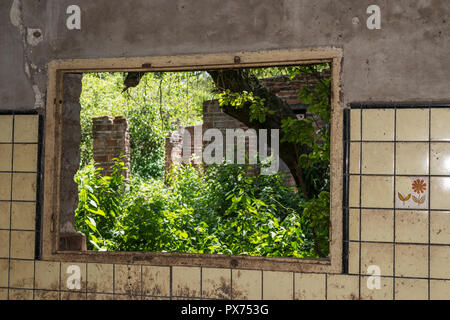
(411, 193)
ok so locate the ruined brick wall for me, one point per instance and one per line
(182, 137)
(213, 117)
(111, 140)
(287, 89)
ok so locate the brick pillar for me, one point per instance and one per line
(111, 140)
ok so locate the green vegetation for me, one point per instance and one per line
(218, 210)
(215, 210)
(161, 104)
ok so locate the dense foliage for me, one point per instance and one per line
(315, 162)
(161, 104)
(218, 210)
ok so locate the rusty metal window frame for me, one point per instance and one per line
(52, 158)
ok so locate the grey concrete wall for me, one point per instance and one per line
(407, 60)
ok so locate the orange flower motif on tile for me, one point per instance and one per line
(419, 186)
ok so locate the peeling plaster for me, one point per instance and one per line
(38, 101)
(34, 36)
(30, 37)
(68, 228)
(15, 14)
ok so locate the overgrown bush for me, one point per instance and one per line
(219, 210)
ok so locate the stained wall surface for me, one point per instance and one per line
(391, 149)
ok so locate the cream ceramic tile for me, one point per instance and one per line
(377, 192)
(126, 297)
(24, 186)
(440, 158)
(21, 274)
(371, 291)
(440, 119)
(5, 128)
(26, 128)
(216, 283)
(342, 287)
(25, 157)
(20, 294)
(355, 153)
(411, 261)
(411, 226)
(378, 124)
(94, 296)
(377, 158)
(128, 279)
(5, 186)
(439, 290)
(354, 183)
(73, 296)
(23, 215)
(355, 124)
(377, 225)
(278, 285)
(155, 298)
(309, 286)
(100, 278)
(155, 281)
(46, 295)
(4, 240)
(440, 262)
(186, 282)
(412, 124)
(411, 289)
(4, 265)
(412, 158)
(5, 157)
(412, 192)
(3, 294)
(440, 227)
(4, 214)
(69, 272)
(22, 244)
(377, 254)
(47, 275)
(354, 224)
(440, 193)
(353, 258)
(246, 284)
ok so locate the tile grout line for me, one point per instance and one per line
(171, 282)
(394, 217)
(360, 203)
(345, 208)
(114, 281)
(86, 282)
(293, 285)
(10, 204)
(60, 281)
(231, 283)
(201, 283)
(429, 201)
(262, 284)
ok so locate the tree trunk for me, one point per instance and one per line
(239, 80)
